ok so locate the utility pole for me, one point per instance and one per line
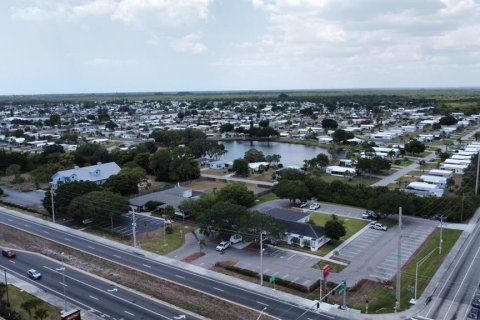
(53, 204)
(478, 167)
(6, 288)
(261, 258)
(441, 235)
(399, 260)
(344, 294)
(64, 284)
(134, 228)
(461, 212)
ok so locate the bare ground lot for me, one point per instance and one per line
(206, 186)
(159, 288)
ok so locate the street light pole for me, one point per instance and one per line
(261, 258)
(53, 204)
(478, 168)
(6, 288)
(418, 264)
(64, 285)
(399, 260)
(134, 228)
(441, 235)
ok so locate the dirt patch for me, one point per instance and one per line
(206, 186)
(193, 257)
(197, 302)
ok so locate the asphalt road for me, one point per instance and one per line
(87, 292)
(455, 292)
(253, 299)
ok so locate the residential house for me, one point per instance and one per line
(98, 173)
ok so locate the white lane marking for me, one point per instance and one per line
(90, 247)
(27, 225)
(81, 238)
(94, 298)
(63, 284)
(117, 256)
(146, 265)
(179, 276)
(262, 303)
(10, 220)
(218, 289)
(67, 239)
(129, 313)
(44, 231)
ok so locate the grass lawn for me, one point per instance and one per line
(352, 226)
(17, 297)
(266, 197)
(154, 241)
(382, 297)
(335, 266)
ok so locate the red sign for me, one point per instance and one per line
(326, 271)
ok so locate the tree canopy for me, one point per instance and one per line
(236, 193)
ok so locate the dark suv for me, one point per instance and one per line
(9, 253)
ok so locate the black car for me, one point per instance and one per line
(473, 314)
(476, 301)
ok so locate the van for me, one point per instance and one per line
(9, 253)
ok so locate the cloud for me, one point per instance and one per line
(171, 13)
(189, 44)
(108, 62)
(374, 33)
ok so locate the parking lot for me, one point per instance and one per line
(373, 254)
(361, 244)
(411, 241)
(144, 224)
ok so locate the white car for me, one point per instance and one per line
(34, 274)
(314, 206)
(236, 238)
(223, 245)
(378, 226)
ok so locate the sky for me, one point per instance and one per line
(83, 46)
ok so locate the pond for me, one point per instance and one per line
(292, 154)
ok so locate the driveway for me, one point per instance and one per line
(24, 199)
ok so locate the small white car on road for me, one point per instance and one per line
(378, 226)
(223, 245)
(34, 274)
(314, 206)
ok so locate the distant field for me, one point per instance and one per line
(453, 98)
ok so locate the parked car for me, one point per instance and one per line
(223, 245)
(9, 253)
(370, 215)
(236, 238)
(314, 206)
(476, 301)
(34, 274)
(473, 314)
(378, 226)
(302, 204)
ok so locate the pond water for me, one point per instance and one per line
(292, 154)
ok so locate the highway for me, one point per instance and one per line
(253, 299)
(87, 292)
(454, 294)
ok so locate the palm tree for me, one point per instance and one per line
(41, 314)
(201, 243)
(29, 306)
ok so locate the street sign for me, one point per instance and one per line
(272, 279)
(326, 271)
(341, 290)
